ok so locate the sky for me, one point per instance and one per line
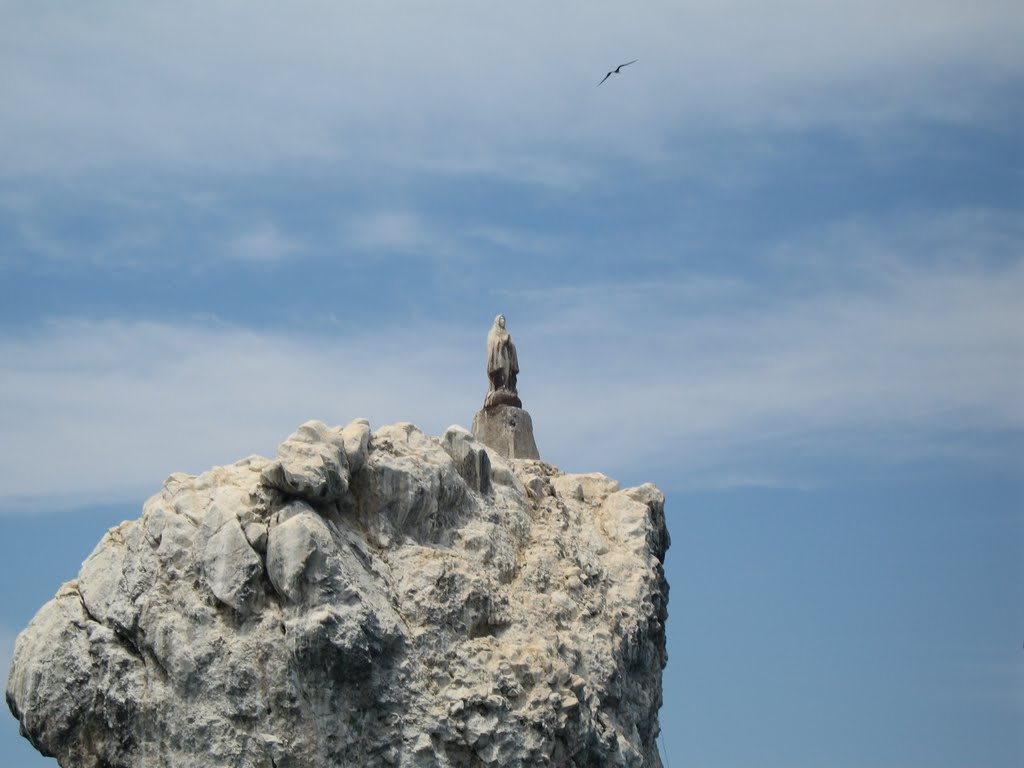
(776, 267)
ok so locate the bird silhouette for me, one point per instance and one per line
(616, 70)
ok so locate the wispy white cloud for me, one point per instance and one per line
(712, 380)
(263, 244)
(100, 226)
(248, 86)
(858, 248)
(395, 232)
(94, 407)
(894, 363)
(409, 233)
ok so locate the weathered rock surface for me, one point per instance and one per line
(384, 599)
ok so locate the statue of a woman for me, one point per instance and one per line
(502, 366)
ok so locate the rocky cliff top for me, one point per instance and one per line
(367, 599)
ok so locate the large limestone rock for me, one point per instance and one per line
(384, 599)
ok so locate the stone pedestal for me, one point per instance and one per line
(507, 430)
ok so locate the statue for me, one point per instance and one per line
(502, 424)
(502, 366)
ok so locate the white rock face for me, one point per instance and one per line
(384, 599)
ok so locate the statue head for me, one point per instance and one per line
(500, 321)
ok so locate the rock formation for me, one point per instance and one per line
(363, 599)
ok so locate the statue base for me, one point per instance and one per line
(502, 397)
(506, 429)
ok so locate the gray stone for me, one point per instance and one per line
(233, 570)
(470, 458)
(409, 489)
(312, 464)
(507, 430)
(356, 439)
(419, 621)
(299, 552)
(593, 487)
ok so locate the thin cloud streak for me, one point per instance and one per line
(263, 244)
(884, 353)
(399, 232)
(629, 380)
(90, 407)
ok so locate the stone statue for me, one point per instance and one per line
(502, 424)
(502, 366)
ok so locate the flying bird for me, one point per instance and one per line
(616, 70)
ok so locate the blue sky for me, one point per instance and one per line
(775, 266)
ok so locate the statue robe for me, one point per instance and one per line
(501, 356)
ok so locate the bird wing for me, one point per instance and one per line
(605, 77)
(634, 61)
